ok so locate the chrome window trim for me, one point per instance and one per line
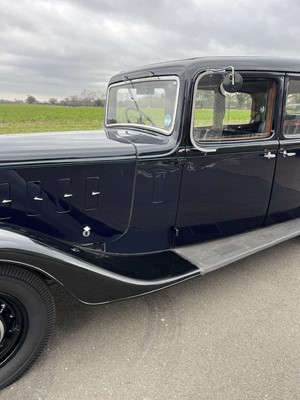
(153, 128)
(210, 145)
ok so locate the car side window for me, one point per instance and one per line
(222, 116)
(291, 117)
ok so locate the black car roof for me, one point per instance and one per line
(194, 65)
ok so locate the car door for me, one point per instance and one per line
(285, 199)
(230, 162)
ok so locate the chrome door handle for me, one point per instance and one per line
(6, 201)
(269, 155)
(67, 195)
(38, 198)
(286, 154)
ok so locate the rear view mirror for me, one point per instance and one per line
(145, 89)
(232, 82)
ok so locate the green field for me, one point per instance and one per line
(22, 118)
(204, 117)
(25, 118)
(155, 114)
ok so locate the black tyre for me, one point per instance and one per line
(27, 316)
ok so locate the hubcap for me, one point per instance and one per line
(2, 330)
(13, 327)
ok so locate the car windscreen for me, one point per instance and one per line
(150, 102)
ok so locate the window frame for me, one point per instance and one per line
(135, 125)
(210, 146)
(287, 80)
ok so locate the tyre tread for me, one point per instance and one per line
(42, 288)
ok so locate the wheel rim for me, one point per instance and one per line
(13, 327)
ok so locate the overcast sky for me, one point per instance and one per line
(57, 48)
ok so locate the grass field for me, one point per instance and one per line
(156, 115)
(204, 117)
(22, 118)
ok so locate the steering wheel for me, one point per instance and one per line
(256, 116)
(139, 118)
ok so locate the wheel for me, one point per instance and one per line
(27, 315)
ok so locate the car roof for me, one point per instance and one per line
(194, 65)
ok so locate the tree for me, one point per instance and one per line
(72, 101)
(99, 102)
(242, 99)
(87, 97)
(52, 101)
(31, 99)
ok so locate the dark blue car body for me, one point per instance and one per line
(197, 164)
(106, 208)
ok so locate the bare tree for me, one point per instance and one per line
(88, 97)
(72, 101)
(53, 101)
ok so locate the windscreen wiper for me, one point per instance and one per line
(128, 81)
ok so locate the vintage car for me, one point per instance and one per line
(196, 168)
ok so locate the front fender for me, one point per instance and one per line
(93, 278)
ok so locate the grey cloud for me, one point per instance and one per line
(59, 47)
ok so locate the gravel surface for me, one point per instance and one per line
(233, 334)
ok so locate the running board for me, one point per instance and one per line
(211, 255)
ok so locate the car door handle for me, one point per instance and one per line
(287, 154)
(6, 201)
(269, 155)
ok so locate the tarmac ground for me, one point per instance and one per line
(233, 334)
